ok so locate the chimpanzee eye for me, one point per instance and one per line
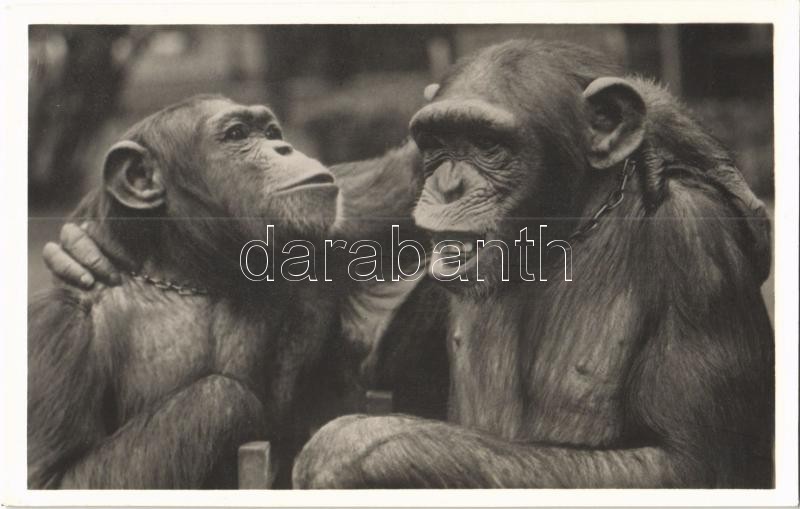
(236, 132)
(273, 132)
(485, 143)
(428, 142)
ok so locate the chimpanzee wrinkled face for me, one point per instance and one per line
(211, 157)
(474, 160)
(507, 140)
(295, 191)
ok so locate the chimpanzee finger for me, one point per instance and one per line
(86, 252)
(64, 267)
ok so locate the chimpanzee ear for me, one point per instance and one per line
(430, 91)
(132, 177)
(616, 121)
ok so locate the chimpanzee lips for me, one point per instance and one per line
(457, 251)
(309, 181)
(320, 178)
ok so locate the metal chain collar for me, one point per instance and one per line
(612, 202)
(169, 286)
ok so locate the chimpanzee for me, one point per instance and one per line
(155, 382)
(652, 367)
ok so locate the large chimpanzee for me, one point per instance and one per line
(654, 367)
(155, 382)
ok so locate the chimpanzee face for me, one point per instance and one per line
(213, 157)
(507, 140)
(257, 172)
(475, 179)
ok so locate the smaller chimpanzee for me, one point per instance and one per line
(154, 383)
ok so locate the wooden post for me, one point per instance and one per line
(257, 468)
(378, 403)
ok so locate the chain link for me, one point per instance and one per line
(612, 202)
(169, 286)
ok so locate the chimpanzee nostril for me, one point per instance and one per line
(284, 150)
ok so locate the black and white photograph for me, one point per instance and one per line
(273, 258)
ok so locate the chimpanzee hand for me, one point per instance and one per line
(78, 260)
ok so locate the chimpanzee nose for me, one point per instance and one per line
(447, 182)
(284, 150)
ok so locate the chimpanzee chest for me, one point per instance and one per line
(546, 387)
(160, 342)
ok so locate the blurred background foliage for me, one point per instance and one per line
(344, 92)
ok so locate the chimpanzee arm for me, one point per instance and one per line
(406, 452)
(378, 193)
(66, 382)
(178, 444)
(72, 442)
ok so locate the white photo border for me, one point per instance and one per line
(15, 18)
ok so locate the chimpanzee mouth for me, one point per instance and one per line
(457, 251)
(315, 180)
